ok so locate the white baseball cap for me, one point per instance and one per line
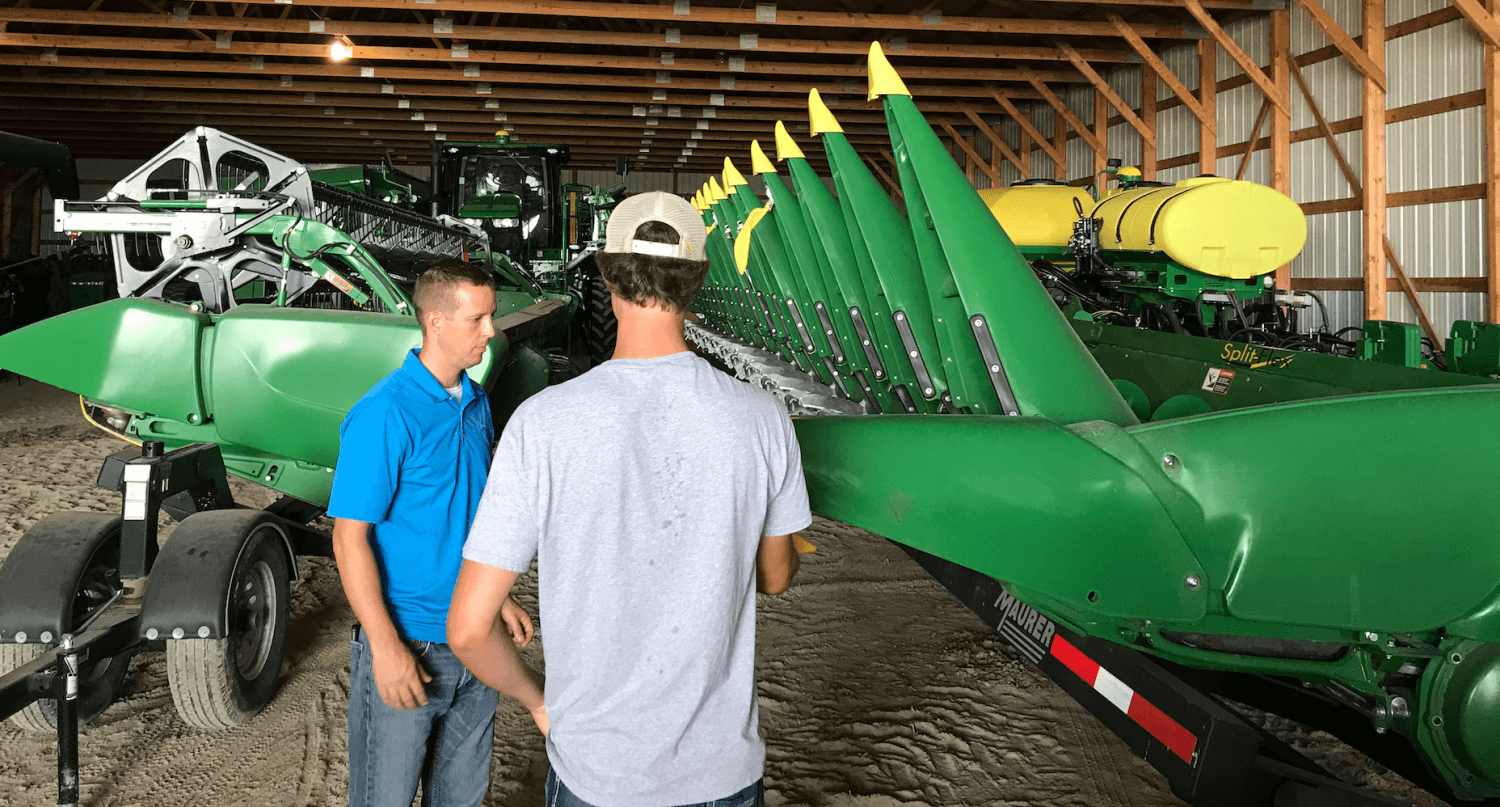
(673, 211)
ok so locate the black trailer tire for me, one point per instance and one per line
(97, 688)
(97, 581)
(599, 320)
(223, 683)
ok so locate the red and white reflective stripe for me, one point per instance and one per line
(1171, 733)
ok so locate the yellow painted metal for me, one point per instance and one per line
(732, 175)
(883, 78)
(759, 162)
(1037, 215)
(820, 118)
(1220, 227)
(742, 239)
(718, 192)
(786, 147)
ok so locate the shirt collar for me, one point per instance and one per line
(414, 369)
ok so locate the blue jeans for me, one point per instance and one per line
(558, 795)
(446, 744)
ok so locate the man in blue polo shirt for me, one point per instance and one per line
(414, 454)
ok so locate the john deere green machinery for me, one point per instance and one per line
(257, 303)
(1324, 555)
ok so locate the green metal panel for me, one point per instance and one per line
(137, 354)
(1020, 499)
(275, 367)
(1334, 538)
(1473, 348)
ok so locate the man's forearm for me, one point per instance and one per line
(361, 580)
(494, 660)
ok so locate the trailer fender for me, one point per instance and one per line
(188, 596)
(40, 581)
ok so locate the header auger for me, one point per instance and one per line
(1149, 568)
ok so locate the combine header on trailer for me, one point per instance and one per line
(1152, 570)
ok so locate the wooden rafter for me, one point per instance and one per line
(1103, 88)
(894, 186)
(798, 19)
(1208, 98)
(974, 158)
(1148, 117)
(1238, 54)
(1345, 43)
(1067, 114)
(996, 144)
(1023, 120)
(1281, 123)
(1260, 119)
(1373, 167)
(483, 33)
(1483, 21)
(1159, 67)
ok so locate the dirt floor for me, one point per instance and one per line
(877, 688)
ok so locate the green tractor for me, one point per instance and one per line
(1285, 550)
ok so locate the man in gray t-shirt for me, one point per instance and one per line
(657, 494)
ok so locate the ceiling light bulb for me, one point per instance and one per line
(340, 50)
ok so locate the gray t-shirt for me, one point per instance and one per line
(643, 488)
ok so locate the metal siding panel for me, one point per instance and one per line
(1337, 88)
(1259, 169)
(1183, 62)
(1431, 64)
(1126, 82)
(1439, 151)
(1176, 133)
(1315, 175)
(1397, 11)
(1080, 157)
(1253, 35)
(1122, 140)
(1333, 247)
(1236, 110)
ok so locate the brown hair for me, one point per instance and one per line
(645, 279)
(435, 287)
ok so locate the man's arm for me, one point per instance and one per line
(483, 644)
(776, 563)
(398, 677)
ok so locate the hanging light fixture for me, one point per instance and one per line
(340, 49)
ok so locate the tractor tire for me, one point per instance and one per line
(598, 321)
(223, 683)
(100, 681)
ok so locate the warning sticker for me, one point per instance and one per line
(1218, 380)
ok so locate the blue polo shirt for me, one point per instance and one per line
(413, 462)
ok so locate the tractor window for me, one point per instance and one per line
(509, 195)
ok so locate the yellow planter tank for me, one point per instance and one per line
(1037, 215)
(1220, 227)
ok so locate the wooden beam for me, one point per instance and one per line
(1208, 99)
(442, 53)
(325, 69)
(750, 19)
(1345, 43)
(1260, 119)
(1103, 86)
(1238, 54)
(1060, 142)
(974, 158)
(1067, 114)
(1372, 159)
(574, 36)
(1328, 134)
(1148, 117)
(1101, 131)
(997, 147)
(1155, 64)
(1492, 176)
(1483, 21)
(1024, 120)
(1281, 122)
(1426, 285)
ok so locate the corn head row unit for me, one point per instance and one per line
(1116, 468)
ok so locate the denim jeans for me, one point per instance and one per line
(446, 744)
(558, 795)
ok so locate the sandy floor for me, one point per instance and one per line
(877, 688)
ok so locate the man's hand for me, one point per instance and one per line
(517, 621)
(399, 678)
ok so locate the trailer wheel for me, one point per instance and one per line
(223, 683)
(599, 320)
(100, 680)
